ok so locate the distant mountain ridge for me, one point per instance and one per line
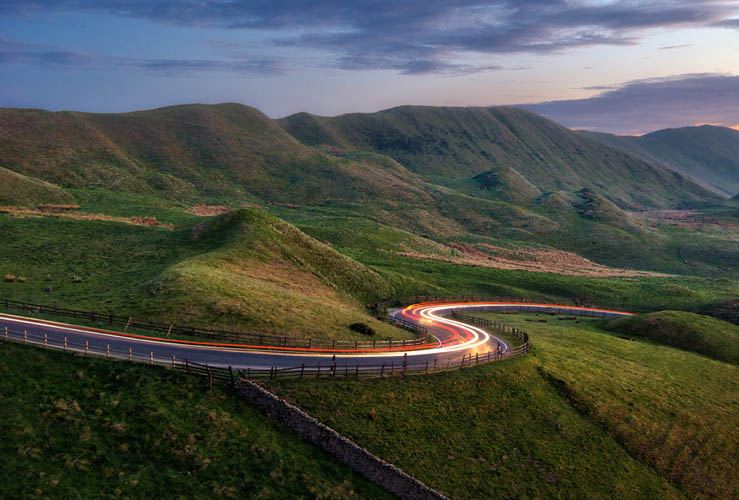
(440, 173)
(706, 154)
(454, 143)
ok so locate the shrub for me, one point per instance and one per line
(76, 279)
(362, 328)
(21, 279)
(9, 278)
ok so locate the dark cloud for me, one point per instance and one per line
(416, 36)
(646, 105)
(26, 53)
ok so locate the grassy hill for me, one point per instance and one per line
(83, 428)
(586, 415)
(492, 171)
(708, 155)
(226, 152)
(440, 142)
(19, 190)
(262, 272)
(693, 332)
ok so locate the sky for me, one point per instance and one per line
(627, 67)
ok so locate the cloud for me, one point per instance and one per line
(727, 23)
(673, 47)
(416, 36)
(14, 52)
(642, 106)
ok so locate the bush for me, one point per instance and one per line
(362, 328)
(9, 278)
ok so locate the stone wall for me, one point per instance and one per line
(346, 451)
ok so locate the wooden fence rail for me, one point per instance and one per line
(330, 369)
(216, 335)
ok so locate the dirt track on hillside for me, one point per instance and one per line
(545, 260)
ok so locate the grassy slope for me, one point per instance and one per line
(223, 152)
(693, 332)
(553, 423)
(80, 428)
(230, 153)
(265, 273)
(376, 245)
(706, 154)
(462, 142)
(224, 279)
(19, 190)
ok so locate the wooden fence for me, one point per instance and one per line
(226, 336)
(331, 369)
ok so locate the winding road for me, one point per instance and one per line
(451, 339)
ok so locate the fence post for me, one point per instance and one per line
(25, 336)
(231, 372)
(405, 362)
(302, 370)
(87, 346)
(130, 353)
(174, 363)
(65, 343)
(46, 340)
(107, 351)
(5, 330)
(382, 370)
(151, 357)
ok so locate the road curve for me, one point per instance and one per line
(451, 339)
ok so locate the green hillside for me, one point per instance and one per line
(83, 428)
(264, 273)
(191, 152)
(454, 143)
(19, 190)
(693, 332)
(586, 414)
(708, 155)
(499, 173)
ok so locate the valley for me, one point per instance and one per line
(220, 217)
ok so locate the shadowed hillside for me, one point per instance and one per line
(692, 332)
(708, 155)
(440, 142)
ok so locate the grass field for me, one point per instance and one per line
(587, 414)
(81, 428)
(150, 272)
(277, 281)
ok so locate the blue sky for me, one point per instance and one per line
(628, 67)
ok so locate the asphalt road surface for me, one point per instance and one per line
(451, 339)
